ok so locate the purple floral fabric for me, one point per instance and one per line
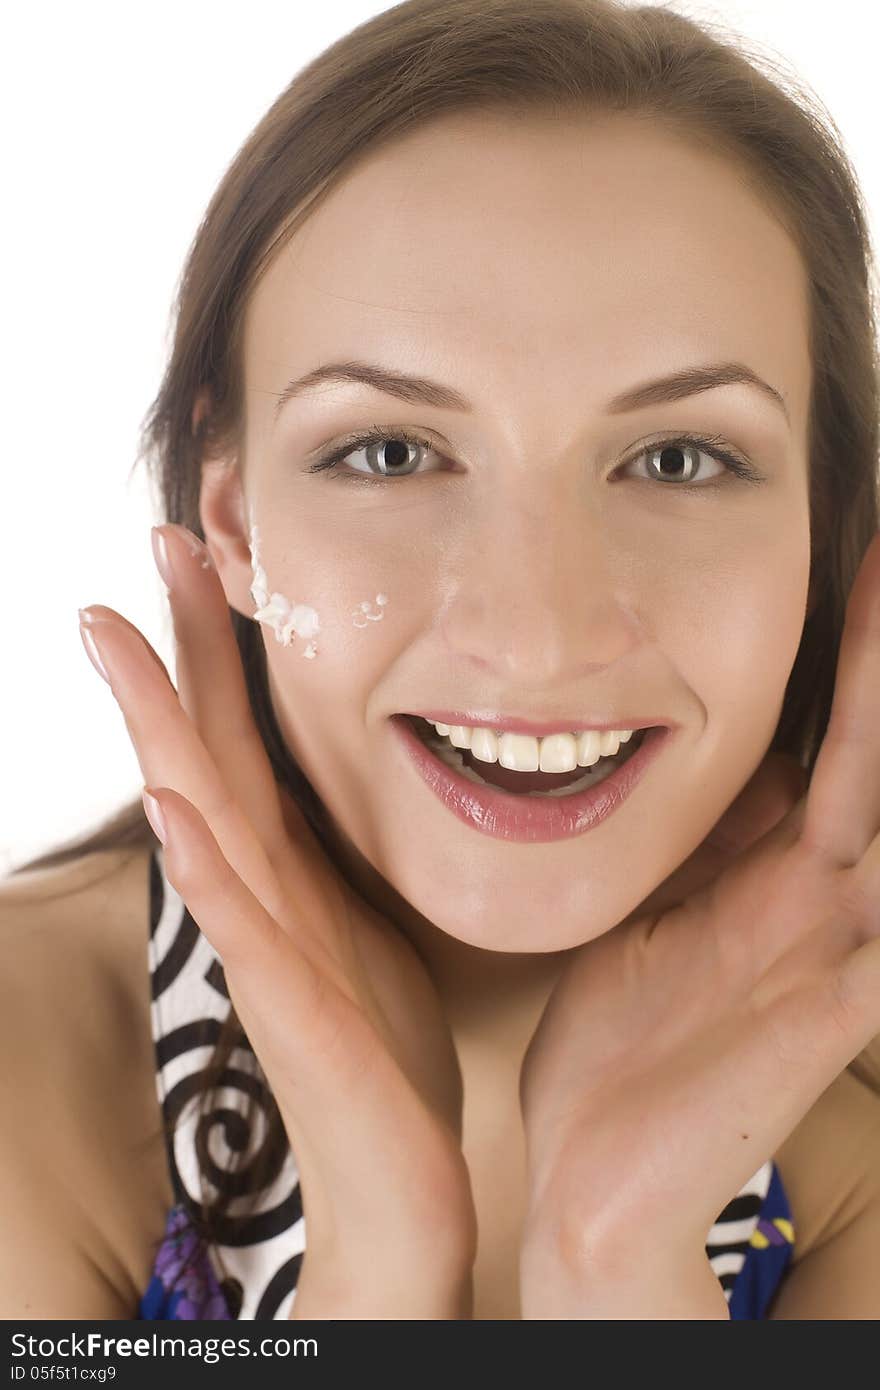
(183, 1284)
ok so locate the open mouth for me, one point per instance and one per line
(533, 784)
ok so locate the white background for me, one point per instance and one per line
(118, 122)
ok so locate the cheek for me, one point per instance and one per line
(329, 643)
(335, 622)
(320, 610)
(734, 645)
(746, 641)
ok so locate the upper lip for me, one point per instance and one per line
(513, 724)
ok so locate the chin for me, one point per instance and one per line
(556, 917)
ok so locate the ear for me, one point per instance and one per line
(222, 514)
(227, 531)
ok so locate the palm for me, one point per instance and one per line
(681, 1048)
(374, 971)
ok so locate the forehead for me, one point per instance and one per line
(549, 255)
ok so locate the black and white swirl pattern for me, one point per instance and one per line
(262, 1237)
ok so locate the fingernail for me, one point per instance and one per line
(160, 555)
(87, 634)
(154, 815)
(190, 548)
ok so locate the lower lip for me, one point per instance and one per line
(506, 816)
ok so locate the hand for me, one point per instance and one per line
(679, 1050)
(338, 1008)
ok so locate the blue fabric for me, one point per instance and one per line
(769, 1254)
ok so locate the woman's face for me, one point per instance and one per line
(533, 560)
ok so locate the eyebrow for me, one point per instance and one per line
(420, 390)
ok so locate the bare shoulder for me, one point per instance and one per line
(830, 1164)
(82, 1167)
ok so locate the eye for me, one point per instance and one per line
(677, 461)
(386, 454)
(389, 452)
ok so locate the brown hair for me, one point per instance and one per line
(424, 58)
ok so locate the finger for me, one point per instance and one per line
(168, 747)
(857, 993)
(210, 681)
(268, 975)
(843, 803)
(771, 793)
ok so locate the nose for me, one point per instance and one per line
(538, 603)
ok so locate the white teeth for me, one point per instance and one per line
(484, 745)
(559, 753)
(522, 753)
(459, 737)
(590, 779)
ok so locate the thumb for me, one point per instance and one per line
(769, 795)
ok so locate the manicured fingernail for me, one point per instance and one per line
(87, 634)
(154, 815)
(189, 547)
(160, 555)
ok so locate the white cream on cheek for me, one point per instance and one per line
(285, 617)
(362, 615)
(276, 610)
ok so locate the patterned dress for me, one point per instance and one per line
(251, 1271)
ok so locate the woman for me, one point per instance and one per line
(523, 394)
